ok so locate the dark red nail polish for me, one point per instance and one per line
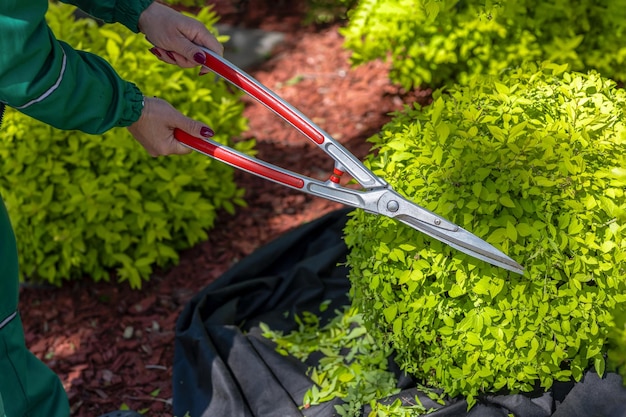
(199, 58)
(206, 132)
(171, 55)
(155, 52)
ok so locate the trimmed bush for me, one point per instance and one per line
(440, 42)
(82, 205)
(534, 165)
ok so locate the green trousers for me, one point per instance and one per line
(28, 388)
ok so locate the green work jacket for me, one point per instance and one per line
(50, 81)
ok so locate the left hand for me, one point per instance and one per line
(176, 37)
(155, 128)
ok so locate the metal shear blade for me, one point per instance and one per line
(377, 195)
(396, 206)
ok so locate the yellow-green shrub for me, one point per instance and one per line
(533, 164)
(82, 205)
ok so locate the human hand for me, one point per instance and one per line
(155, 128)
(176, 37)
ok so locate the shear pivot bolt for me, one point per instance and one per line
(393, 206)
(437, 222)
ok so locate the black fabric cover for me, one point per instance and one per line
(224, 367)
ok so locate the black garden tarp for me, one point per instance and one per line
(224, 367)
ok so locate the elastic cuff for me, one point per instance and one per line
(133, 105)
(128, 12)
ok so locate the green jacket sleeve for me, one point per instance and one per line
(50, 81)
(125, 12)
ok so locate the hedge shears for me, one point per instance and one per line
(375, 196)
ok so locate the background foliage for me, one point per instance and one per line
(82, 205)
(445, 41)
(533, 164)
(317, 11)
(327, 11)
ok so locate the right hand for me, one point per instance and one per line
(176, 37)
(155, 128)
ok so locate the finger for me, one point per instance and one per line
(202, 38)
(167, 56)
(172, 58)
(180, 60)
(199, 55)
(199, 35)
(180, 149)
(168, 147)
(195, 128)
(198, 129)
(209, 41)
(155, 51)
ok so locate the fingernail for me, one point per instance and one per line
(171, 55)
(155, 52)
(199, 58)
(206, 132)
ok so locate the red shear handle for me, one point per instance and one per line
(233, 158)
(266, 97)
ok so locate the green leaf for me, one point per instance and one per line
(456, 291)
(390, 312)
(497, 133)
(524, 229)
(607, 246)
(518, 129)
(397, 326)
(477, 188)
(506, 201)
(443, 131)
(501, 88)
(599, 365)
(575, 226)
(113, 50)
(483, 286)
(164, 174)
(511, 231)
(446, 331)
(473, 339)
(482, 173)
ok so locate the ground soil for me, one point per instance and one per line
(111, 345)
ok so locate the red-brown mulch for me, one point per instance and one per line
(111, 345)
